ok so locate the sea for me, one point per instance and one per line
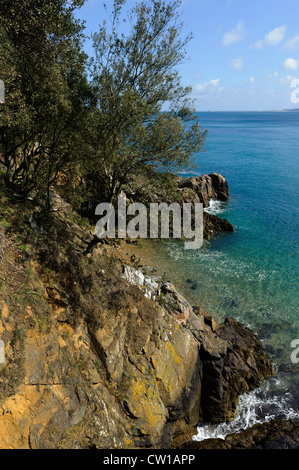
(252, 274)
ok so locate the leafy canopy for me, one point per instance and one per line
(144, 117)
(43, 67)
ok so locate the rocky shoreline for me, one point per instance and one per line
(231, 360)
(102, 355)
(277, 434)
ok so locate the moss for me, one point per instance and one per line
(18, 335)
(23, 248)
(4, 223)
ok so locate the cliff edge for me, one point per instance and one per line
(98, 354)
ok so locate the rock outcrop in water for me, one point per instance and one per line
(214, 225)
(203, 189)
(207, 187)
(278, 434)
(193, 190)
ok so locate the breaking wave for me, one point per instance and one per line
(216, 207)
(258, 406)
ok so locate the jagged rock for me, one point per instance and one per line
(135, 276)
(164, 292)
(202, 189)
(214, 225)
(233, 363)
(212, 186)
(231, 355)
(153, 362)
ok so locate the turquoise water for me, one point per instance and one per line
(252, 274)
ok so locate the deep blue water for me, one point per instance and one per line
(252, 274)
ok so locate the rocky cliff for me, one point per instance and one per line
(98, 354)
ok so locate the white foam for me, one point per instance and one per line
(258, 406)
(216, 207)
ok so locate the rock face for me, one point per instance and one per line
(99, 354)
(212, 186)
(227, 374)
(92, 360)
(278, 434)
(231, 357)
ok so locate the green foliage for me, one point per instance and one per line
(47, 93)
(92, 127)
(136, 77)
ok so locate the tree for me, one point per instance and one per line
(47, 92)
(136, 77)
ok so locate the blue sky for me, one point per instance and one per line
(244, 54)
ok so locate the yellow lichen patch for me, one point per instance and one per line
(145, 403)
(172, 352)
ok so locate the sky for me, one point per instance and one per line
(244, 54)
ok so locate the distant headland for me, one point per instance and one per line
(293, 110)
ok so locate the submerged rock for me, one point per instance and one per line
(193, 285)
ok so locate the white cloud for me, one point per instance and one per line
(273, 38)
(207, 86)
(236, 35)
(291, 64)
(273, 75)
(237, 64)
(252, 80)
(292, 43)
(287, 80)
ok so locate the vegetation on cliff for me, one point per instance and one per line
(91, 125)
